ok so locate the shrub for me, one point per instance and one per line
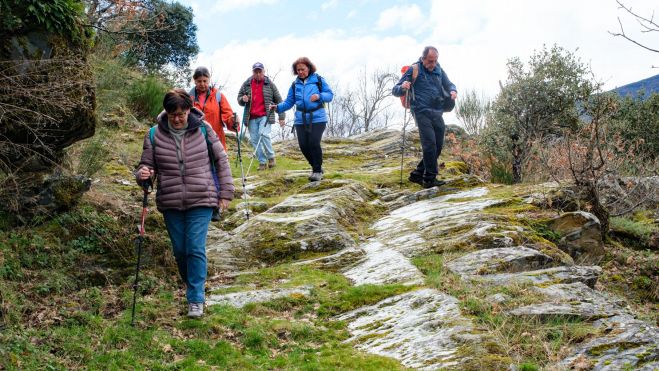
(94, 154)
(638, 119)
(632, 230)
(146, 95)
(501, 174)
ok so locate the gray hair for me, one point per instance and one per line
(427, 50)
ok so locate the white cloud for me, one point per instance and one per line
(477, 37)
(225, 6)
(338, 56)
(351, 14)
(407, 17)
(474, 37)
(329, 5)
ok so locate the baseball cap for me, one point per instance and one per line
(257, 66)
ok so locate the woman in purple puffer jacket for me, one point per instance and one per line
(178, 154)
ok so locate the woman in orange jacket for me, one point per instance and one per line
(213, 104)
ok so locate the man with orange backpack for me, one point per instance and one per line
(430, 93)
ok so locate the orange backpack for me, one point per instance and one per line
(407, 98)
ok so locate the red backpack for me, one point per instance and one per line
(405, 99)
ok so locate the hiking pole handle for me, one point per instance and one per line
(147, 187)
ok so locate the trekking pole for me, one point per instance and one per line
(258, 143)
(242, 171)
(402, 147)
(147, 186)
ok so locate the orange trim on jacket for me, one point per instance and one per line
(211, 110)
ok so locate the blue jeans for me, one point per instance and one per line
(259, 129)
(187, 231)
(431, 131)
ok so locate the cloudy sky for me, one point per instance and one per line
(475, 38)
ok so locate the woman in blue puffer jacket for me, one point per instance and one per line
(308, 93)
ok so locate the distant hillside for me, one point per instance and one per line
(649, 85)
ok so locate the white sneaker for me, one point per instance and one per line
(315, 177)
(195, 310)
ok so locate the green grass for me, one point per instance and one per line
(264, 335)
(636, 231)
(331, 292)
(530, 341)
(79, 324)
(65, 285)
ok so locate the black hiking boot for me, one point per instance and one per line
(415, 179)
(433, 183)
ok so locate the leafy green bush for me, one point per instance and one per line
(57, 16)
(638, 120)
(537, 101)
(145, 96)
(500, 174)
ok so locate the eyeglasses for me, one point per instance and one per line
(178, 114)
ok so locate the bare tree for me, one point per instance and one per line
(472, 111)
(371, 96)
(647, 25)
(593, 157)
(348, 119)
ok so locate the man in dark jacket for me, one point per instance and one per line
(428, 93)
(256, 94)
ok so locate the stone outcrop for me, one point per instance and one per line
(240, 299)
(426, 328)
(572, 300)
(580, 236)
(303, 222)
(625, 344)
(505, 259)
(423, 329)
(34, 132)
(587, 275)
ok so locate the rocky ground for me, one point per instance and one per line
(479, 273)
(357, 271)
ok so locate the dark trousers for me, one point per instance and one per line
(308, 137)
(431, 131)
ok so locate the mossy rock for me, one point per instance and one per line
(302, 223)
(456, 167)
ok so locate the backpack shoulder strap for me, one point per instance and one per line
(204, 131)
(319, 83)
(415, 71)
(152, 136)
(211, 157)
